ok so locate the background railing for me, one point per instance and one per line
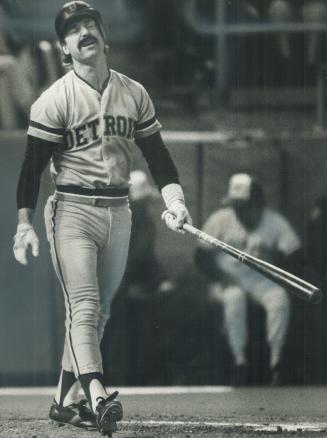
(220, 30)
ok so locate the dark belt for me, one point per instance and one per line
(108, 197)
(111, 192)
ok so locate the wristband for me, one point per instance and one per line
(171, 193)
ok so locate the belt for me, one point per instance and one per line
(110, 192)
(97, 201)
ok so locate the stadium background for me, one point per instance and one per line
(271, 129)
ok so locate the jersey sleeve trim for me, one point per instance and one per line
(39, 130)
(140, 126)
(58, 131)
(147, 128)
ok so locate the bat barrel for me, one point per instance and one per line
(299, 287)
(314, 295)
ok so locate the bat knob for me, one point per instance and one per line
(164, 214)
(316, 296)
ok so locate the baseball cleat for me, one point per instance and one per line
(108, 412)
(76, 414)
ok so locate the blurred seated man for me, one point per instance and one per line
(247, 224)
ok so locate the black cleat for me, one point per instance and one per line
(76, 414)
(108, 412)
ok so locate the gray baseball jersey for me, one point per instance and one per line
(96, 130)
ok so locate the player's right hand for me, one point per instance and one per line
(25, 238)
(176, 216)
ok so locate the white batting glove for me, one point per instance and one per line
(176, 216)
(25, 238)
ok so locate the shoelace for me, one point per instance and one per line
(111, 397)
(84, 411)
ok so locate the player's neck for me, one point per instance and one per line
(95, 74)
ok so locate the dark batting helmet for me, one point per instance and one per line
(72, 10)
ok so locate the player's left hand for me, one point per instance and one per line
(176, 216)
(25, 238)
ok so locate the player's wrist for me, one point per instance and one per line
(178, 204)
(22, 230)
(24, 227)
(172, 195)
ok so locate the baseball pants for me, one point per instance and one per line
(89, 248)
(275, 302)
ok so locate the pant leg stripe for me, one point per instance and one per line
(61, 279)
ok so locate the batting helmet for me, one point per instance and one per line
(72, 10)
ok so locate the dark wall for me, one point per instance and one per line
(28, 333)
(31, 305)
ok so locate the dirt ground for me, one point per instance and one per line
(43, 429)
(246, 412)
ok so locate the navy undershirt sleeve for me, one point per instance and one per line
(160, 163)
(37, 155)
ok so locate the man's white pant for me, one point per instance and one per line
(89, 248)
(275, 302)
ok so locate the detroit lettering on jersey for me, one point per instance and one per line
(113, 126)
(96, 130)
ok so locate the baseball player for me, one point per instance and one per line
(246, 223)
(87, 124)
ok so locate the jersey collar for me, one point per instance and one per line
(105, 84)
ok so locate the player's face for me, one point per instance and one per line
(83, 40)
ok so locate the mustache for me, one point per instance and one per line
(86, 40)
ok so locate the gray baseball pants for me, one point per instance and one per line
(89, 248)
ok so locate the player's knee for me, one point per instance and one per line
(85, 311)
(215, 293)
(234, 296)
(277, 300)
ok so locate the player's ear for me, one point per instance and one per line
(64, 48)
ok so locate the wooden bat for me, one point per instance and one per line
(304, 290)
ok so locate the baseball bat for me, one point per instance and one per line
(304, 290)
